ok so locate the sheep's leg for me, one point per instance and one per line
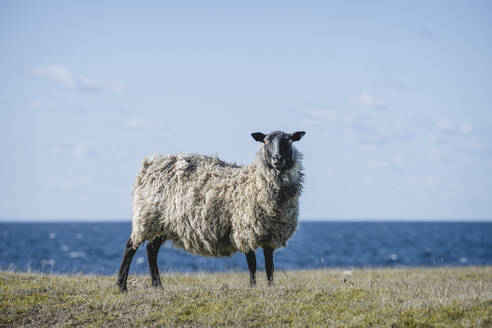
(152, 251)
(125, 265)
(268, 252)
(251, 258)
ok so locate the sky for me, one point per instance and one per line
(394, 98)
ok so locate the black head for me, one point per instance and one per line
(278, 148)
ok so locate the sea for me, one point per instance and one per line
(97, 247)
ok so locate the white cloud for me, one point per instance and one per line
(56, 73)
(444, 126)
(397, 159)
(88, 84)
(36, 104)
(83, 180)
(465, 128)
(377, 163)
(313, 116)
(323, 114)
(376, 181)
(75, 150)
(67, 184)
(138, 124)
(367, 100)
(63, 76)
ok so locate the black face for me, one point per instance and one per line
(278, 148)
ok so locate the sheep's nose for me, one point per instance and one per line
(277, 161)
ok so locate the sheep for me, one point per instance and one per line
(213, 208)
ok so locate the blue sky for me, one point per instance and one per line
(394, 97)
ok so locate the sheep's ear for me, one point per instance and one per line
(258, 136)
(296, 136)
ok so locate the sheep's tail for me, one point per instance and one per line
(141, 174)
(137, 235)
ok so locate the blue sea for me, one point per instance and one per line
(97, 248)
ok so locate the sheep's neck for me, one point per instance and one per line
(277, 191)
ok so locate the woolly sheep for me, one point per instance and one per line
(213, 208)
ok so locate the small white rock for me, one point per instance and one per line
(50, 262)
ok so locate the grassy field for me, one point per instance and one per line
(460, 297)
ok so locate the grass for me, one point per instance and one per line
(442, 297)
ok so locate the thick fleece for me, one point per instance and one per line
(213, 208)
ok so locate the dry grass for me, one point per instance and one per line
(460, 297)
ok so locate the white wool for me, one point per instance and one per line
(213, 208)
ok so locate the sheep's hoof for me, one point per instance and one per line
(122, 288)
(156, 284)
(252, 282)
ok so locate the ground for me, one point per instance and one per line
(432, 297)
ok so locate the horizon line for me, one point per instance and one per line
(79, 220)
